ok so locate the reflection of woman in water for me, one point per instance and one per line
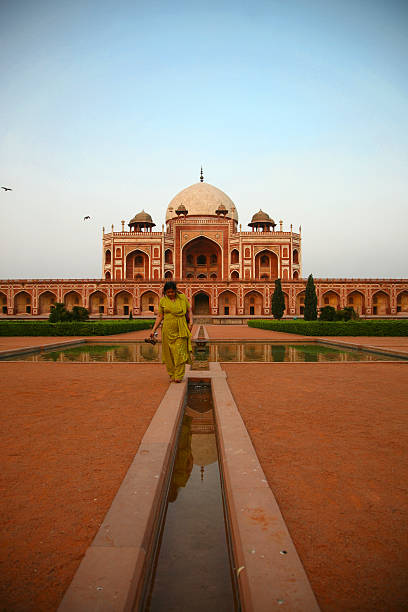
(183, 463)
(176, 333)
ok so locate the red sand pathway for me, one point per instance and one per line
(68, 436)
(332, 440)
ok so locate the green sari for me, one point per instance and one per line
(176, 337)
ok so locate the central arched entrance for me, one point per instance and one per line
(201, 304)
(201, 259)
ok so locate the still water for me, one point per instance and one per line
(192, 569)
(141, 352)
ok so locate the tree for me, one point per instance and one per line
(310, 312)
(278, 300)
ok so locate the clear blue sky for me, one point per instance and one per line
(295, 107)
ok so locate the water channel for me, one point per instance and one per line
(140, 352)
(192, 568)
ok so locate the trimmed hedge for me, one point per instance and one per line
(72, 328)
(335, 328)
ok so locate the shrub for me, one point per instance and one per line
(377, 327)
(79, 313)
(72, 328)
(327, 313)
(58, 313)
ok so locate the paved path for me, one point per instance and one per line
(67, 438)
(243, 332)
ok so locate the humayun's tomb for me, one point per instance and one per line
(224, 271)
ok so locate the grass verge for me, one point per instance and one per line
(335, 328)
(72, 328)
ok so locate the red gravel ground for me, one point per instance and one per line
(243, 332)
(332, 440)
(68, 436)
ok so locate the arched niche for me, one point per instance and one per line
(71, 299)
(168, 275)
(201, 256)
(22, 303)
(295, 275)
(234, 256)
(108, 257)
(381, 303)
(98, 303)
(300, 303)
(137, 265)
(357, 301)
(107, 275)
(235, 275)
(330, 298)
(402, 301)
(149, 302)
(295, 256)
(123, 303)
(266, 265)
(253, 303)
(201, 303)
(3, 303)
(168, 256)
(227, 303)
(47, 298)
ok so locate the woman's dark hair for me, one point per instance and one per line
(169, 285)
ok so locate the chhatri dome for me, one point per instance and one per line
(201, 199)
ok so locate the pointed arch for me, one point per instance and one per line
(22, 302)
(402, 301)
(123, 303)
(98, 302)
(46, 299)
(149, 302)
(71, 299)
(253, 303)
(137, 264)
(381, 303)
(3, 303)
(227, 303)
(266, 264)
(330, 298)
(356, 299)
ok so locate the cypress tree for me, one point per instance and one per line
(278, 300)
(310, 313)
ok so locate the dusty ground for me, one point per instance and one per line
(243, 332)
(332, 440)
(68, 436)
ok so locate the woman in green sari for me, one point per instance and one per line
(176, 332)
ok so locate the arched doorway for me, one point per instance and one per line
(201, 303)
(46, 299)
(149, 302)
(355, 299)
(227, 303)
(137, 265)
(402, 301)
(266, 265)
(3, 302)
(71, 299)
(98, 303)
(331, 298)
(201, 256)
(300, 303)
(22, 303)
(253, 303)
(381, 303)
(123, 303)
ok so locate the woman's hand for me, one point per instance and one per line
(190, 326)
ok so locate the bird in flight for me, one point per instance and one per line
(87, 217)
(7, 188)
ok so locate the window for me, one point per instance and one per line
(101, 309)
(295, 257)
(138, 260)
(190, 260)
(151, 307)
(264, 260)
(226, 310)
(213, 276)
(234, 257)
(189, 275)
(28, 309)
(213, 259)
(201, 260)
(201, 276)
(168, 257)
(126, 310)
(108, 257)
(5, 309)
(251, 310)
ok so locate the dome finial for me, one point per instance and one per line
(201, 175)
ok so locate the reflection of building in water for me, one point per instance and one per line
(223, 269)
(183, 463)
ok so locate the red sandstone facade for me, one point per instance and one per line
(222, 270)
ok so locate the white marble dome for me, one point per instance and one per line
(201, 199)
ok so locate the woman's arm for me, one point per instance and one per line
(189, 313)
(159, 319)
